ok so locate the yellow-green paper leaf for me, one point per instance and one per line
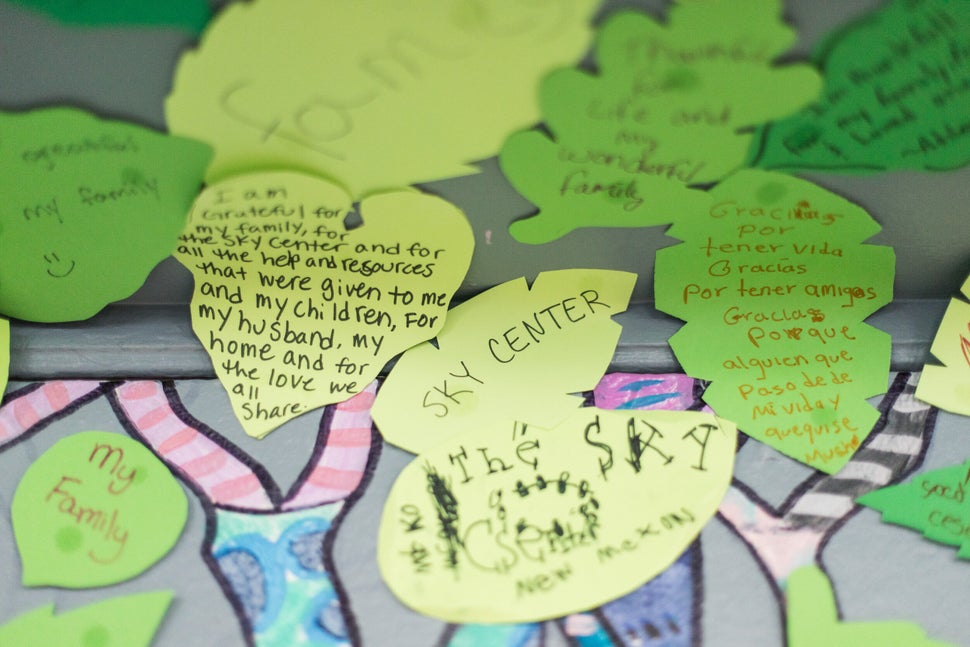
(813, 619)
(948, 386)
(96, 508)
(296, 311)
(510, 353)
(377, 95)
(131, 621)
(517, 523)
(4, 354)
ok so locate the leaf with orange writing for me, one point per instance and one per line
(667, 110)
(377, 95)
(774, 282)
(896, 96)
(131, 620)
(936, 503)
(95, 509)
(4, 353)
(948, 386)
(510, 353)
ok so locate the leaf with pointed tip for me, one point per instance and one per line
(669, 108)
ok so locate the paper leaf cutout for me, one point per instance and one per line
(948, 386)
(556, 520)
(297, 312)
(4, 354)
(665, 111)
(97, 508)
(131, 620)
(813, 619)
(897, 96)
(510, 353)
(377, 95)
(774, 283)
(935, 503)
(186, 14)
(90, 206)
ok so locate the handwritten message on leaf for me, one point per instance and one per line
(936, 503)
(897, 95)
(187, 14)
(510, 353)
(813, 619)
(89, 208)
(774, 284)
(296, 311)
(131, 620)
(663, 113)
(376, 94)
(97, 508)
(948, 386)
(516, 523)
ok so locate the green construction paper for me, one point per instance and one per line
(774, 284)
(511, 522)
(190, 15)
(671, 106)
(948, 386)
(896, 96)
(4, 354)
(509, 353)
(95, 509)
(89, 207)
(813, 619)
(934, 503)
(298, 312)
(131, 621)
(376, 95)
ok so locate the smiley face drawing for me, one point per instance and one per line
(58, 268)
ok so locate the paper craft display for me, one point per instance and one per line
(378, 95)
(516, 523)
(664, 112)
(96, 508)
(774, 283)
(935, 503)
(897, 96)
(186, 14)
(510, 353)
(813, 619)
(296, 311)
(948, 386)
(90, 206)
(131, 621)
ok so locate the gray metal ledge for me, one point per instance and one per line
(156, 341)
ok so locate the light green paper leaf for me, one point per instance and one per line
(948, 386)
(510, 353)
(897, 96)
(555, 519)
(96, 508)
(89, 207)
(667, 109)
(376, 95)
(131, 621)
(186, 14)
(934, 503)
(774, 284)
(296, 311)
(813, 619)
